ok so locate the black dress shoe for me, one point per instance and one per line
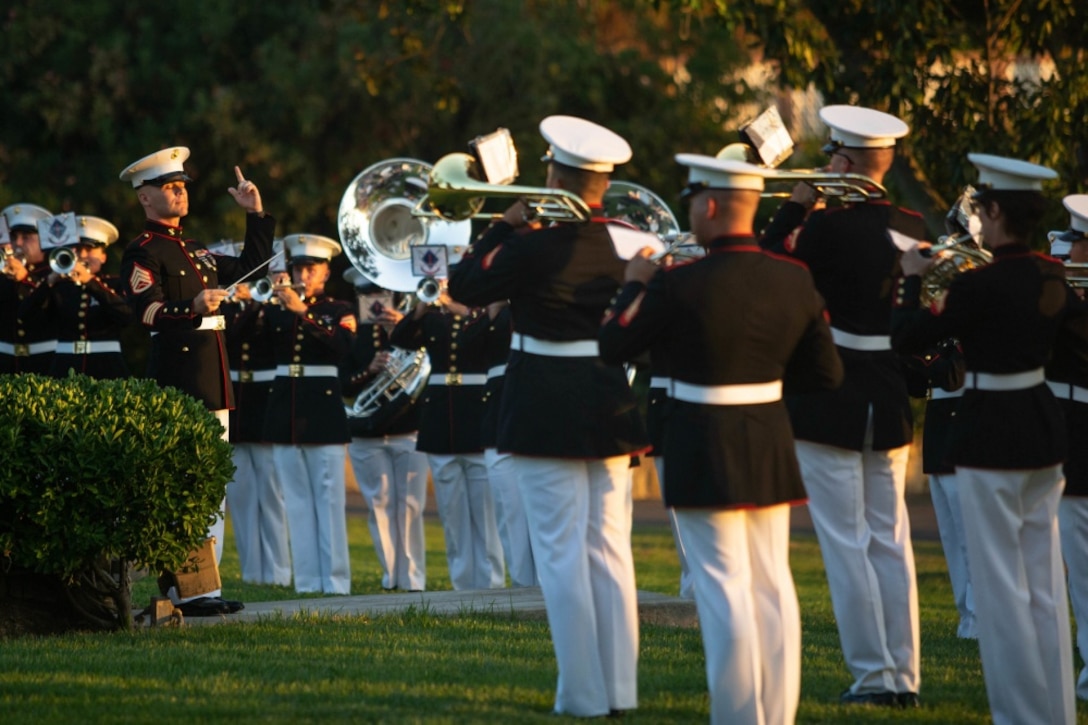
(233, 605)
(880, 699)
(907, 700)
(204, 607)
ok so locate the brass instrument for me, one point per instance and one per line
(455, 193)
(1079, 278)
(63, 261)
(9, 253)
(391, 393)
(843, 187)
(644, 210)
(429, 290)
(265, 287)
(956, 252)
(378, 229)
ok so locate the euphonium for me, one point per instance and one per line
(391, 393)
(956, 252)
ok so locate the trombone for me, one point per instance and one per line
(844, 187)
(455, 193)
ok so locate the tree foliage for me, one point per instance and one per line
(303, 96)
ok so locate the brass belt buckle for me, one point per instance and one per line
(81, 347)
(295, 371)
(246, 376)
(220, 322)
(453, 378)
(22, 350)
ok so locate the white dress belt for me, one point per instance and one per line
(659, 381)
(307, 371)
(1068, 391)
(87, 347)
(751, 394)
(496, 372)
(252, 376)
(22, 349)
(866, 343)
(1005, 382)
(553, 348)
(942, 394)
(213, 322)
(454, 379)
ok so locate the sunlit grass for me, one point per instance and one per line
(416, 666)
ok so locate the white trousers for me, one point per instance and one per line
(579, 515)
(1073, 524)
(860, 516)
(510, 515)
(313, 489)
(259, 516)
(392, 477)
(1013, 549)
(946, 506)
(218, 527)
(463, 494)
(748, 612)
(687, 587)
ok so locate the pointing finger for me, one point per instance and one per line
(238, 173)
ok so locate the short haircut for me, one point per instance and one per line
(1023, 210)
(590, 185)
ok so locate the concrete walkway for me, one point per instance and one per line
(527, 602)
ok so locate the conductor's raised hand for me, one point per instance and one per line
(246, 193)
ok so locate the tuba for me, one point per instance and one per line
(636, 206)
(956, 252)
(391, 394)
(379, 232)
(380, 235)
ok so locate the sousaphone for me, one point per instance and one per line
(378, 230)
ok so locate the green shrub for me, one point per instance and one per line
(102, 473)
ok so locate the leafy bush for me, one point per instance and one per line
(98, 472)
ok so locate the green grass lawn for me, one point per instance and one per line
(420, 667)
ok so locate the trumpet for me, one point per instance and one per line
(455, 193)
(429, 290)
(8, 254)
(63, 261)
(844, 187)
(265, 287)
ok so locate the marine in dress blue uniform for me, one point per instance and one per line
(1008, 440)
(570, 420)
(451, 418)
(390, 472)
(853, 442)
(1067, 376)
(86, 308)
(305, 421)
(173, 285)
(255, 499)
(938, 376)
(731, 473)
(24, 348)
(509, 509)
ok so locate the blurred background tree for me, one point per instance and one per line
(304, 95)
